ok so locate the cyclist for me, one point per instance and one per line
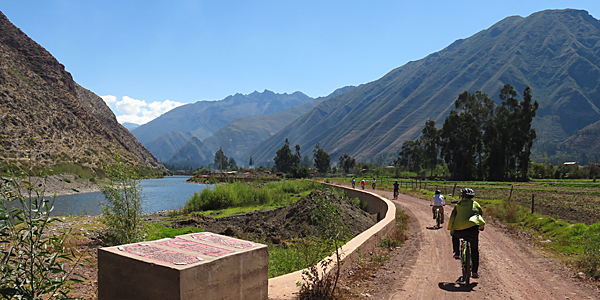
(466, 222)
(363, 182)
(353, 182)
(396, 189)
(373, 185)
(438, 201)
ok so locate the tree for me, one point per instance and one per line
(346, 163)
(251, 162)
(285, 160)
(221, 162)
(458, 149)
(322, 159)
(232, 163)
(411, 156)
(122, 209)
(430, 141)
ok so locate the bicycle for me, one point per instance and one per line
(465, 260)
(395, 194)
(438, 218)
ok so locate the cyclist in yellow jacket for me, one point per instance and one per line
(466, 222)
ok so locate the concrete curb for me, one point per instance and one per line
(284, 287)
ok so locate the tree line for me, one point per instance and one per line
(479, 139)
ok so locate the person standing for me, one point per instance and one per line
(438, 201)
(466, 222)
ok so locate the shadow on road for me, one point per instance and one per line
(434, 227)
(457, 287)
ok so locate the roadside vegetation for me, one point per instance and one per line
(249, 194)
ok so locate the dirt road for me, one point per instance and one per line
(509, 269)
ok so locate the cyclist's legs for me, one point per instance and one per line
(472, 235)
(441, 211)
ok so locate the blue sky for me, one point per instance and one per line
(145, 57)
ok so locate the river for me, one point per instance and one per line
(158, 194)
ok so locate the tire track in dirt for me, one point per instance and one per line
(509, 269)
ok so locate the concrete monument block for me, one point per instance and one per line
(188, 267)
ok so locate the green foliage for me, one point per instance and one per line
(221, 162)
(590, 261)
(296, 255)
(486, 142)
(346, 163)
(157, 232)
(33, 261)
(320, 283)
(285, 160)
(239, 194)
(122, 210)
(322, 159)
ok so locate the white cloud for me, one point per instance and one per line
(130, 106)
(109, 99)
(138, 111)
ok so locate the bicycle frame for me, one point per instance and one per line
(465, 259)
(438, 218)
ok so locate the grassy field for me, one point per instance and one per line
(574, 201)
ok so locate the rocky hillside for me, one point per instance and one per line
(45, 115)
(555, 52)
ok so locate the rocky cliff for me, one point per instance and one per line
(46, 116)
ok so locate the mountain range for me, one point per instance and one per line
(555, 52)
(46, 118)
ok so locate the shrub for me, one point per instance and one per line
(33, 261)
(122, 210)
(590, 261)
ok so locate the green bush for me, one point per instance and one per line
(241, 194)
(34, 263)
(122, 210)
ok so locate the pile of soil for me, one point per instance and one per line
(297, 220)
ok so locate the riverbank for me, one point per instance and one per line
(61, 185)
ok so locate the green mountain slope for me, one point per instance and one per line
(167, 144)
(191, 151)
(242, 134)
(204, 118)
(555, 52)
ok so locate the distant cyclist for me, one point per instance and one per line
(363, 182)
(396, 189)
(466, 222)
(438, 201)
(353, 182)
(374, 181)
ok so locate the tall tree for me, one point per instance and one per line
(458, 148)
(221, 161)
(430, 141)
(346, 162)
(322, 159)
(251, 162)
(411, 156)
(285, 160)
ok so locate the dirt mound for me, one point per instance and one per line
(296, 220)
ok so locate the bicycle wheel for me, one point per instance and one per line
(438, 218)
(467, 268)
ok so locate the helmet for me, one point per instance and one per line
(467, 192)
(438, 192)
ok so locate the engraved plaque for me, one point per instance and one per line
(194, 246)
(225, 241)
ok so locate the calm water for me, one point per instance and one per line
(158, 194)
